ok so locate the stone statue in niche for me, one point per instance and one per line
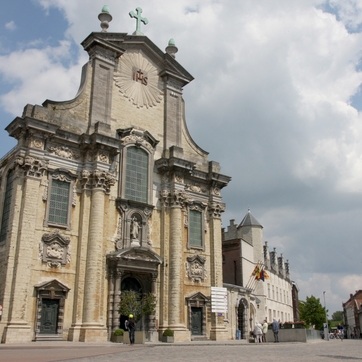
(134, 232)
(134, 228)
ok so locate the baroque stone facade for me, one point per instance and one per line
(108, 192)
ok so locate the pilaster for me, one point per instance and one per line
(218, 332)
(22, 237)
(93, 326)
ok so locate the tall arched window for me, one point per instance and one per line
(136, 186)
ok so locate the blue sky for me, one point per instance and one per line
(276, 100)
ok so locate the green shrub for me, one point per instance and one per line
(168, 333)
(119, 332)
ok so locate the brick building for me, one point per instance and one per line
(352, 313)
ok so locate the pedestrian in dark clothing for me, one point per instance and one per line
(131, 328)
(275, 327)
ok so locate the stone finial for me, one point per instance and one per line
(139, 19)
(105, 18)
(171, 48)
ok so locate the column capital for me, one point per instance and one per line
(215, 209)
(174, 198)
(32, 166)
(97, 179)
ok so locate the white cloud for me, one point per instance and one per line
(350, 12)
(10, 25)
(36, 75)
(337, 289)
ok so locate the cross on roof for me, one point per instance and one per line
(138, 18)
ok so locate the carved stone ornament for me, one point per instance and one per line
(195, 188)
(137, 140)
(54, 249)
(138, 80)
(98, 179)
(118, 239)
(216, 191)
(37, 143)
(179, 177)
(215, 210)
(62, 151)
(103, 156)
(31, 165)
(45, 183)
(195, 268)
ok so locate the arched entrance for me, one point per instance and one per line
(129, 283)
(131, 269)
(242, 318)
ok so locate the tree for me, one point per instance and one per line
(133, 303)
(312, 312)
(337, 316)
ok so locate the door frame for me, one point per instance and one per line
(198, 300)
(50, 290)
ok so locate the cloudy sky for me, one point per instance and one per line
(276, 100)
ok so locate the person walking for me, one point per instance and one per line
(265, 331)
(275, 327)
(340, 331)
(258, 332)
(131, 328)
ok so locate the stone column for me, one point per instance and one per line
(176, 317)
(175, 266)
(153, 334)
(111, 280)
(162, 302)
(19, 288)
(218, 330)
(93, 325)
(80, 271)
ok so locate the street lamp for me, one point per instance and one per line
(326, 330)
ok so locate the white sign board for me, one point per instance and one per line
(219, 300)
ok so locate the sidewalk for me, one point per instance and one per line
(201, 351)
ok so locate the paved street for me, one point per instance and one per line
(348, 350)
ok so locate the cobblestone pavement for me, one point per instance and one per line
(332, 351)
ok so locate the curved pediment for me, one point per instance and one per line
(132, 256)
(52, 284)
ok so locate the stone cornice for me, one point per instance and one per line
(101, 48)
(178, 165)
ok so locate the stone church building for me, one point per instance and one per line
(108, 192)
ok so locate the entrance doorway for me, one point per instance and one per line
(128, 284)
(241, 320)
(196, 321)
(49, 316)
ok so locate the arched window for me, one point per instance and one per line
(136, 185)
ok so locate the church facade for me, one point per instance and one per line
(108, 192)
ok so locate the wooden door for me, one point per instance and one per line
(49, 316)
